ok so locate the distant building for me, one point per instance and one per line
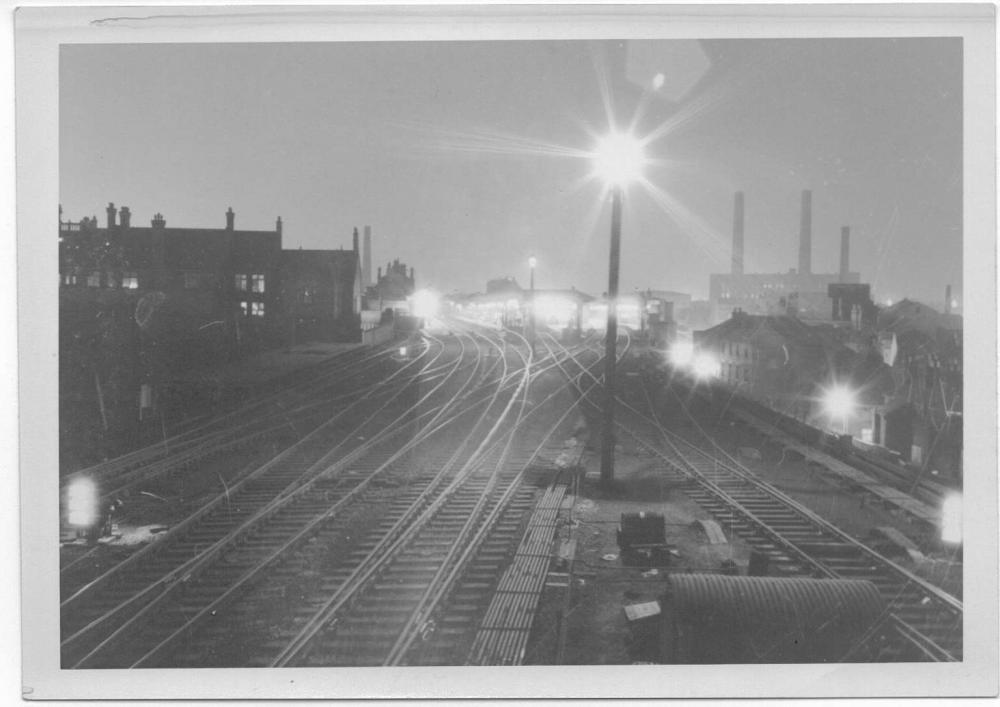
(392, 289)
(139, 305)
(921, 418)
(800, 293)
(777, 360)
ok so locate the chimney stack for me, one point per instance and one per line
(738, 234)
(230, 218)
(126, 217)
(112, 212)
(366, 258)
(158, 221)
(845, 252)
(354, 240)
(277, 225)
(805, 234)
(379, 274)
(411, 275)
(947, 299)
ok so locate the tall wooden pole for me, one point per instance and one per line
(610, 341)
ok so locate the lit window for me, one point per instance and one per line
(130, 281)
(241, 282)
(256, 283)
(94, 279)
(257, 309)
(245, 306)
(307, 296)
(69, 279)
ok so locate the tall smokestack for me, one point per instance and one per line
(366, 258)
(947, 299)
(845, 252)
(738, 234)
(354, 241)
(805, 234)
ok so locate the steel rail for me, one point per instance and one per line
(226, 496)
(300, 643)
(197, 563)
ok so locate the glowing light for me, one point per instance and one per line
(618, 159)
(402, 352)
(658, 81)
(839, 401)
(681, 353)
(951, 519)
(889, 302)
(706, 366)
(555, 311)
(425, 303)
(532, 262)
(954, 304)
(81, 503)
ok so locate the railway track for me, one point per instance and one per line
(95, 615)
(291, 412)
(164, 608)
(921, 622)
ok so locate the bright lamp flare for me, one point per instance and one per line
(681, 353)
(532, 261)
(706, 366)
(425, 303)
(951, 519)
(618, 159)
(839, 401)
(82, 503)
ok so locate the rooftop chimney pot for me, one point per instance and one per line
(126, 217)
(805, 234)
(112, 212)
(845, 252)
(230, 218)
(738, 234)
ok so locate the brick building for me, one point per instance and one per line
(139, 305)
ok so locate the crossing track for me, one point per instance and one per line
(921, 622)
(95, 614)
(293, 409)
(376, 506)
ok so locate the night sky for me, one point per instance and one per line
(464, 157)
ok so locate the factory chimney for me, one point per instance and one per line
(738, 234)
(354, 240)
(947, 299)
(366, 258)
(805, 234)
(230, 218)
(845, 252)
(112, 214)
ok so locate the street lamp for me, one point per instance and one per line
(840, 402)
(618, 160)
(532, 262)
